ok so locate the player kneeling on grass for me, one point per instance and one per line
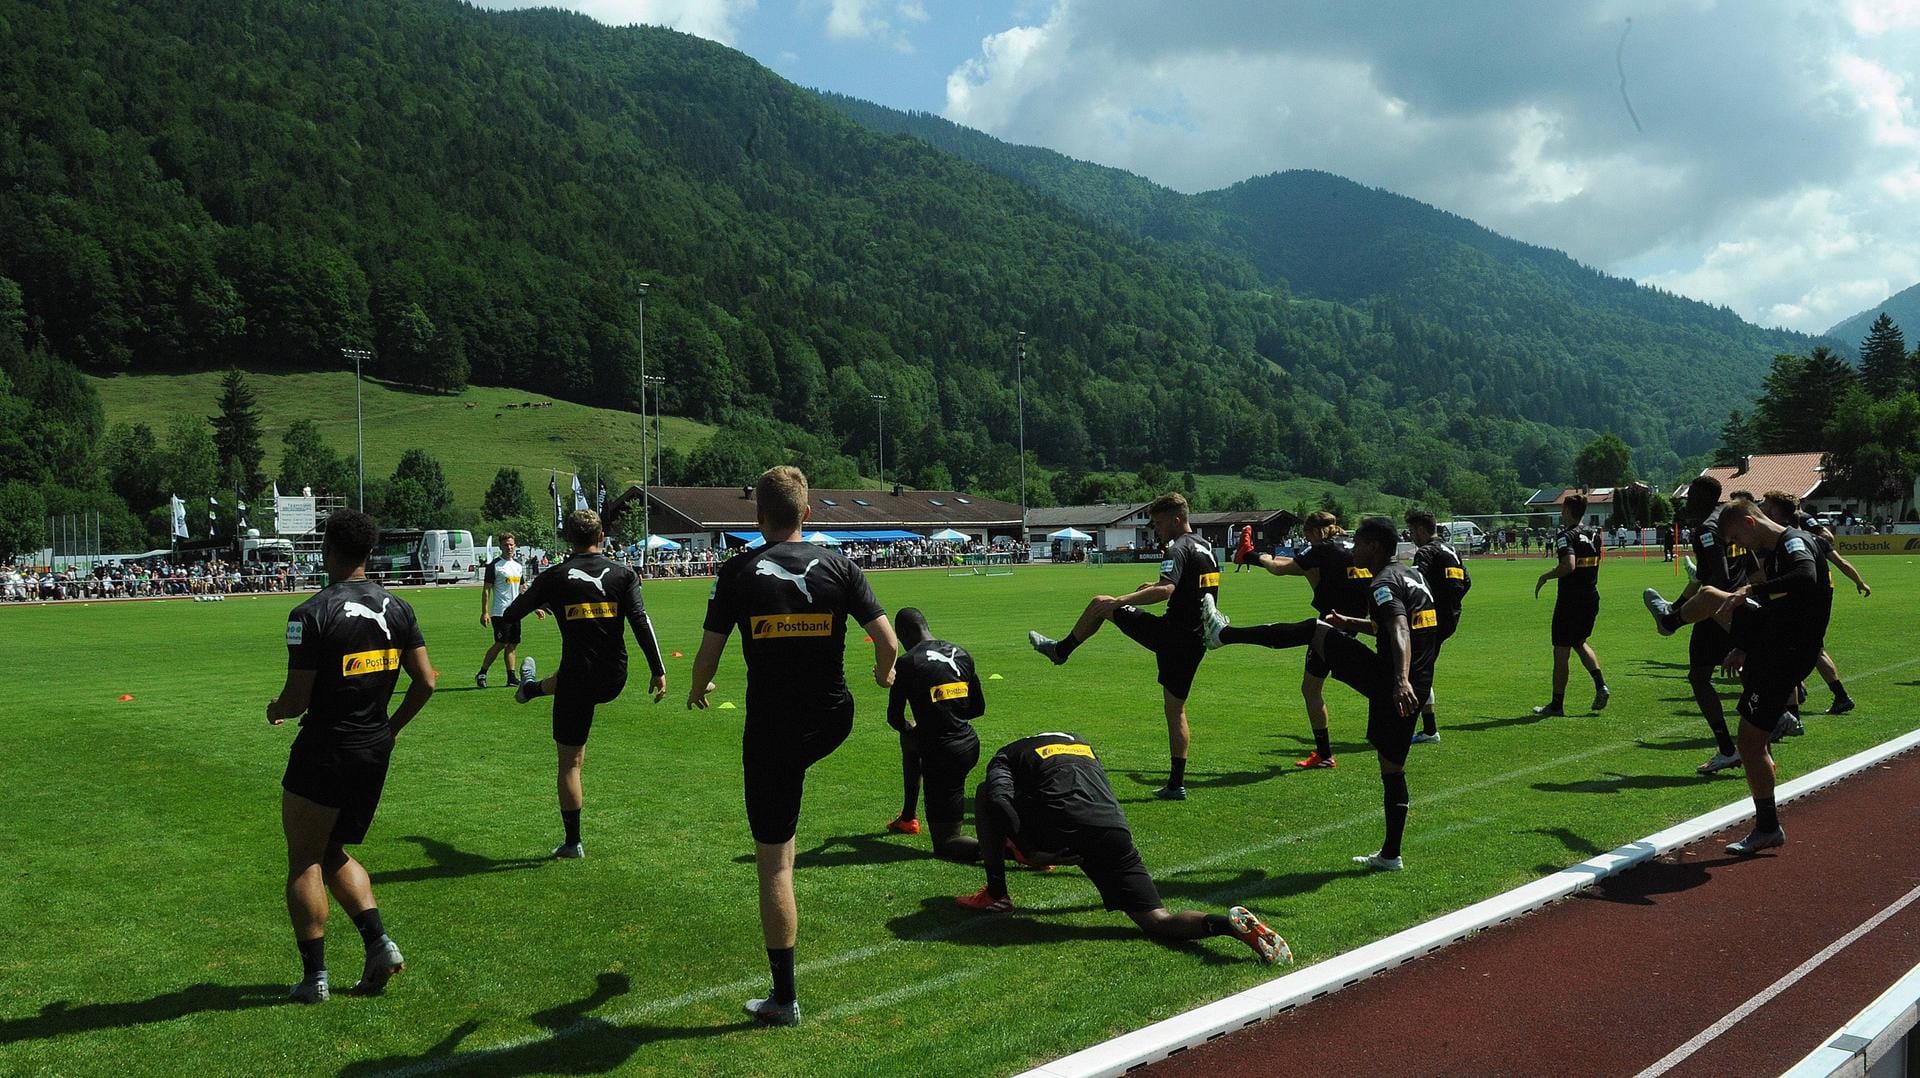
(938, 681)
(346, 647)
(1047, 798)
(1395, 679)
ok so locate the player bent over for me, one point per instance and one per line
(346, 647)
(1187, 572)
(1048, 796)
(1394, 679)
(1783, 508)
(790, 600)
(593, 597)
(1777, 625)
(938, 682)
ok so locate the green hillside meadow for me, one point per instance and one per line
(471, 443)
(143, 871)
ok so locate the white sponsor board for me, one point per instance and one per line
(293, 516)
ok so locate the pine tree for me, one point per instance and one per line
(507, 497)
(1883, 360)
(435, 505)
(236, 430)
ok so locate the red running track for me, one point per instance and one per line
(1614, 979)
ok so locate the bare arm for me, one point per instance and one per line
(1148, 595)
(486, 603)
(294, 698)
(420, 685)
(1279, 566)
(1398, 644)
(1847, 569)
(705, 664)
(886, 650)
(1561, 567)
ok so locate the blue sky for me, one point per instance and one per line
(1761, 154)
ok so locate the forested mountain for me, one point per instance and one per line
(1552, 339)
(476, 195)
(1903, 307)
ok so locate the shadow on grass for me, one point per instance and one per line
(1527, 719)
(1573, 842)
(938, 916)
(1206, 780)
(575, 1042)
(1690, 744)
(1241, 886)
(840, 850)
(1648, 668)
(1616, 782)
(451, 863)
(62, 1017)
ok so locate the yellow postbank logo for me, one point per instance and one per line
(1209, 580)
(1454, 572)
(1047, 752)
(771, 626)
(1425, 619)
(578, 611)
(369, 662)
(952, 690)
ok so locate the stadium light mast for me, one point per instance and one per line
(1020, 403)
(359, 356)
(880, 424)
(646, 491)
(659, 466)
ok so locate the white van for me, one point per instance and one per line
(447, 556)
(1464, 536)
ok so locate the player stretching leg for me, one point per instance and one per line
(1721, 568)
(1440, 566)
(938, 682)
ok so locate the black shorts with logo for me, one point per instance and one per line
(1110, 859)
(504, 631)
(1770, 684)
(348, 779)
(574, 698)
(1176, 652)
(1364, 670)
(775, 754)
(945, 765)
(1573, 618)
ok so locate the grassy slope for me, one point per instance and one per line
(1289, 493)
(145, 929)
(470, 443)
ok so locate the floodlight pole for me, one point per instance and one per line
(1020, 402)
(880, 424)
(646, 494)
(359, 355)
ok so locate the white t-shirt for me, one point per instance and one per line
(503, 576)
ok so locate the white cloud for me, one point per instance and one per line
(1736, 122)
(883, 21)
(715, 20)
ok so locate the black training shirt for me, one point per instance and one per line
(1399, 591)
(1716, 562)
(1051, 787)
(1341, 586)
(351, 635)
(1188, 565)
(1583, 542)
(791, 602)
(1798, 595)
(592, 596)
(937, 680)
(1440, 566)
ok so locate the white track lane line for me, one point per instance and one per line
(1764, 996)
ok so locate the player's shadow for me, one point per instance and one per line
(1527, 719)
(1207, 780)
(62, 1017)
(576, 1042)
(1655, 668)
(1643, 885)
(938, 918)
(451, 863)
(1239, 886)
(842, 850)
(1688, 744)
(1616, 782)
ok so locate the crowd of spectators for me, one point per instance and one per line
(114, 580)
(903, 554)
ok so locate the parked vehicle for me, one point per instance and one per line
(413, 556)
(1464, 535)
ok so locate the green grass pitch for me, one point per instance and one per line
(145, 932)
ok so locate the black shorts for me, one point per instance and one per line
(945, 765)
(1770, 686)
(775, 754)
(1110, 859)
(1573, 618)
(505, 632)
(1449, 624)
(348, 779)
(1364, 670)
(574, 698)
(1176, 652)
(1708, 646)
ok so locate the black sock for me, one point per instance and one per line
(313, 956)
(1722, 736)
(1281, 635)
(1395, 784)
(1559, 700)
(1064, 646)
(1766, 815)
(368, 922)
(780, 960)
(996, 877)
(1429, 724)
(570, 818)
(1839, 690)
(1599, 679)
(1177, 775)
(1672, 622)
(1322, 744)
(1218, 925)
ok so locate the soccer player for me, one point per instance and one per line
(1723, 567)
(1047, 796)
(1339, 587)
(1783, 508)
(1395, 679)
(790, 600)
(1576, 548)
(1187, 573)
(938, 682)
(593, 597)
(498, 589)
(1446, 576)
(346, 647)
(1778, 626)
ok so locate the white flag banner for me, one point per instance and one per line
(579, 496)
(179, 518)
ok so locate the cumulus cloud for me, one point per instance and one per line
(715, 20)
(883, 21)
(1771, 167)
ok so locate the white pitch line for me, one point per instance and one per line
(1766, 995)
